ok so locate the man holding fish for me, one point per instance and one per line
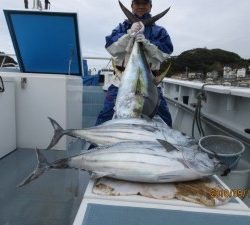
(157, 46)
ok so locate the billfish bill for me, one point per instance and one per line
(135, 161)
(119, 130)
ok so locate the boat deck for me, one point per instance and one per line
(55, 197)
(52, 199)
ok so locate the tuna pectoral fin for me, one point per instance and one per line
(118, 73)
(139, 90)
(169, 147)
(42, 166)
(158, 79)
(58, 133)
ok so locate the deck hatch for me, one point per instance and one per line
(45, 42)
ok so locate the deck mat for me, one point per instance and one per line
(123, 215)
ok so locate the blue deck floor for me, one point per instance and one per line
(53, 199)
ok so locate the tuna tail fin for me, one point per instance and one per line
(132, 18)
(58, 133)
(42, 166)
(155, 18)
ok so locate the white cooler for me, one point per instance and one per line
(7, 117)
(43, 96)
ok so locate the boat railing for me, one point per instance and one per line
(93, 61)
(3, 58)
(96, 58)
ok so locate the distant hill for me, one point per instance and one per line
(204, 60)
(9, 61)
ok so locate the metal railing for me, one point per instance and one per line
(1, 85)
(4, 64)
(4, 56)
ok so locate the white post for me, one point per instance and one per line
(34, 4)
(37, 4)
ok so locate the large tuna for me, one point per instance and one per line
(118, 130)
(138, 92)
(135, 161)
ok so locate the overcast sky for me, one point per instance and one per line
(191, 24)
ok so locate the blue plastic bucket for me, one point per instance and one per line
(227, 150)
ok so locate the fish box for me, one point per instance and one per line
(39, 96)
(7, 116)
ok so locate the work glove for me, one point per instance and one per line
(141, 38)
(136, 28)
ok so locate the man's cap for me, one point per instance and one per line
(147, 1)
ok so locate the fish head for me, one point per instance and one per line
(200, 161)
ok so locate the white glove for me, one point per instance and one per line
(136, 28)
(141, 38)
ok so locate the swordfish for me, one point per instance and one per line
(135, 161)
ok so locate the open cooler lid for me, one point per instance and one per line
(45, 42)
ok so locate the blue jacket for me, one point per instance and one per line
(157, 35)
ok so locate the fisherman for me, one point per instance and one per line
(157, 46)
